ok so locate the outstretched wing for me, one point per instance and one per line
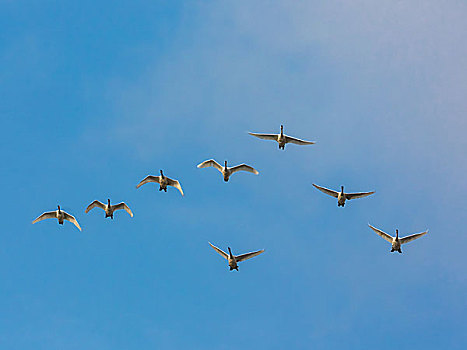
(123, 206)
(327, 191)
(147, 179)
(176, 184)
(410, 238)
(272, 137)
(290, 139)
(244, 167)
(246, 256)
(210, 162)
(220, 251)
(71, 219)
(350, 196)
(387, 237)
(93, 205)
(46, 215)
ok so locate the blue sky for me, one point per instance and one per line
(97, 95)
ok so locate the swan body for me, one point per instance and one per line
(396, 242)
(282, 139)
(163, 182)
(60, 215)
(342, 196)
(233, 260)
(225, 170)
(108, 208)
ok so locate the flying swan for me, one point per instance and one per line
(226, 171)
(282, 139)
(60, 215)
(234, 259)
(396, 242)
(342, 196)
(163, 182)
(108, 208)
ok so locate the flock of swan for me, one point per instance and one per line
(226, 172)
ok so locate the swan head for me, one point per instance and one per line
(162, 174)
(282, 128)
(58, 208)
(225, 163)
(230, 251)
(342, 188)
(397, 233)
(108, 201)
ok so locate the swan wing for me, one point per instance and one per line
(290, 139)
(247, 256)
(210, 162)
(244, 167)
(123, 206)
(46, 215)
(384, 235)
(176, 184)
(410, 238)
(356, 195)
(220, 251)
(327, 191)
(95, 204)
(147, 179)
(71, 219)
(272, 137)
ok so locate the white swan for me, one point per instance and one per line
(108, 208)
(60, 215)
(163, 182)
(282, 139)
(234, 259)
(226, 171)
(396, 242)
(341, 196)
